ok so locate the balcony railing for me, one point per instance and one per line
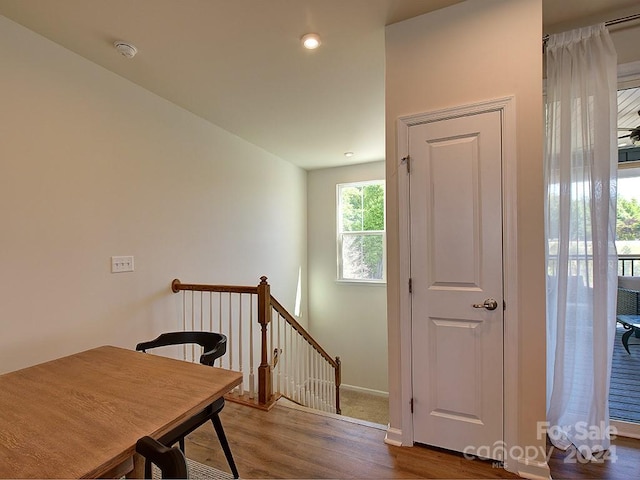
(581, 266)
(629, 265)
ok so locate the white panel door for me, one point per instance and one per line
(456, 271)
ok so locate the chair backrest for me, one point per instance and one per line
(628, 302)
(171, 461)
(214, 344)
(629, 283)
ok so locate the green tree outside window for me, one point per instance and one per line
(361, 236)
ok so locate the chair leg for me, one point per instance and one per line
(217, 424)
(147, 469)
(171, 461)
(181, 443)
(625, 340)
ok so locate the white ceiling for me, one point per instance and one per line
(628, 115)
(240, 65)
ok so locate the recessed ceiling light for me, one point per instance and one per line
(348, 154)
(311, 41)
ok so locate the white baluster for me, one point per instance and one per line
(333, 390)
(211, 311)
(308, 373)
(193, 321)
(312, 352)
(201, 322)
(220, 319)
(314, 376)
(240, 342)
(327, 373)
(279, 347)
(304, 377)
(251, 375)
(296, 366)
(321, 383)
(230, 341)
(287, 357)
(303, 371)
(300, 369)
(184, 321)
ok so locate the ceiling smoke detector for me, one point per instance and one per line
(126, 49)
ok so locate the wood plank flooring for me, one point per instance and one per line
(622, 463)
(624, 395)
(289, 443)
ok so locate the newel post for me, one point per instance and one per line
(264, 317)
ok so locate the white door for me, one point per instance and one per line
(457, 278)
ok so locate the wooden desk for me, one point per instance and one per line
(80, 416)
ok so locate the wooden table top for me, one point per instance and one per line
(80, 416)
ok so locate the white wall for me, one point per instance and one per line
(470, 52)
(348, 320)
(92, 166)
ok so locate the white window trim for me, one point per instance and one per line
(339, 233)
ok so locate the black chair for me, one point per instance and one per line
(214, 346)
(628, 315)
(170, 461)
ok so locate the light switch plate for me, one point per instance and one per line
(122, 264)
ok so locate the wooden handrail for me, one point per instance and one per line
(176, 286)
(266, 306)
(335, 363)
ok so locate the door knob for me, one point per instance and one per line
(489, 304)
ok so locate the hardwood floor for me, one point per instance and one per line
(624, 396)
(622, 462)
(290, 443)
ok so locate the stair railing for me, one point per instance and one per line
(263, 338)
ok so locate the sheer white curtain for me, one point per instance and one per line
(580, 218)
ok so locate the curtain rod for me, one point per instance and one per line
(608, 23)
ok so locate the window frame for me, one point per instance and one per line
(340, 234)
(625, 259)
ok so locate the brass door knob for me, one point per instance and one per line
(489, 304)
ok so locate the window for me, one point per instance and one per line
(628, 215)
(628, 221)
(361, 232)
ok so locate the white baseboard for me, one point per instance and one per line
(393, 437)
(626, 429)
(533, 470)
(354, 388)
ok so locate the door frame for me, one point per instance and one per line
(506, 107)
(628, 77)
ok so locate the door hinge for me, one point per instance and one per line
(504, 305)
(407, 161)
(410, 286)
(411, 404)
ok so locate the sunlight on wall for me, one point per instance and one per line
(296, 309)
